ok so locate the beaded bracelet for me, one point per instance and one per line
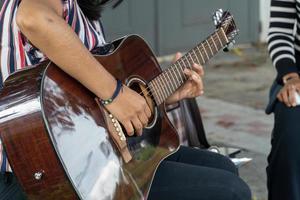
(116, 93)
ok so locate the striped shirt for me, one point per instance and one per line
(17, 52)
(284, 36)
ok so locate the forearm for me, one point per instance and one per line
(47, 30)
(281, 37)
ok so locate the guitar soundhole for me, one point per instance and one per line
(141, 87)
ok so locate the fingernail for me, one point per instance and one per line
(201, 92)
(195, 77)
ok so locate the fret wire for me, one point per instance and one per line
(169, 71)
(180, 74)
(161, 85)
(159, 91)
(214, 43)
(165, 84)
(154, 92)
(182, 66)
(221, 43)
(218, 42)
(188, 61)
(205, 51)
(219, 38)
(192, 60)
(177, 77)
(198, 62)
(171, 82)
(216, 39)
(224, 35)
(207, 42)
(186, 64)
(165, 80)
(174, 68)
(182, 69)
(206, 47)
(203, 61)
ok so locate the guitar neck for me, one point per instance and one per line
(173, 77)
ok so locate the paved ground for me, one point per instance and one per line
(236, 94)
(236, 90)
(228, 124)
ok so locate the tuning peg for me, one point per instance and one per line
(229, 46)
(217, 16)
(220, 13)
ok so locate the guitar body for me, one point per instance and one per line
(57, 138)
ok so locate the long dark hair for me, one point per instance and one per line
(93, 8)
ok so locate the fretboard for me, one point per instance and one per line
(173, 77)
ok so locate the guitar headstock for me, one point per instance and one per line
(226, 21)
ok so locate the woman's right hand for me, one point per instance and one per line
(287, 94)
(131, 109)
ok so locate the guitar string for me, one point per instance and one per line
(184, 57)
(191, 53)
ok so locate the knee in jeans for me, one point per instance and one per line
(227, 163)
(240, 190)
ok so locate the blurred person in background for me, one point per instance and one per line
(283, 171)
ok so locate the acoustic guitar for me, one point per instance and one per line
(62, 144)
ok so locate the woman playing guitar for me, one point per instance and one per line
(65, 31)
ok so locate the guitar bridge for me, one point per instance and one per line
(116, 133)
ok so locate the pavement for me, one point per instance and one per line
(236, 94)
(232, 108)
(243, 127)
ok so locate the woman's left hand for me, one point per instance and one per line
(193, 87)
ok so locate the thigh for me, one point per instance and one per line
(179, 181)
(284, 158)
(204, 158)
(10, 188)
(286, 133)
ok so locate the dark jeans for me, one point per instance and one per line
(186, 175)
(194, 174)
(283, 170)
(10, 188)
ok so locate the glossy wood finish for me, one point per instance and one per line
(50, 122)
(26, 139)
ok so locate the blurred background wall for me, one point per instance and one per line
(264, 7)
(177, 25)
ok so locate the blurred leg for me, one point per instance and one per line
(283, 170)
(10, 188)
(203, 158)
(181, 181)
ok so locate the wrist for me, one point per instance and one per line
(289, 77)
(118, 88)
